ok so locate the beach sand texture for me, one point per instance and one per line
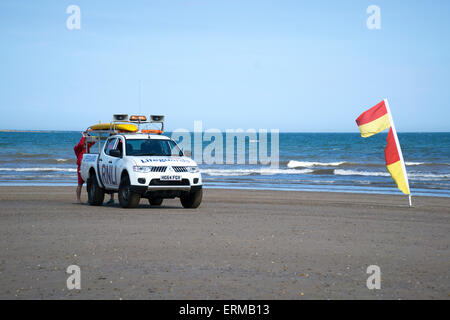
(240, 244)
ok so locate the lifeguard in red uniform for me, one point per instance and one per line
(80, 149)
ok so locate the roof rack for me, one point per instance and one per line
(139, 120)
(119, 124)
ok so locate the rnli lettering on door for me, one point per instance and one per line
(109, 175)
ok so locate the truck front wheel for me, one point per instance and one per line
(192, 199)
(96, 195)
(128, 198)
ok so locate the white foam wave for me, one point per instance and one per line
(414, 163)
(307, 164)
(38, 169)
(247, 172)
(342, 172)
(408, 163)
(418, 176)
(428, 175)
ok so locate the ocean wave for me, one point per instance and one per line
(428, 175)
(343, 172)
(382, 164)
(31, 155)
(38, 169)
(34, 176)
(414, 163)
(307, 164)
(248, 172)
(39, 161)
(411, 163)
(416, 175)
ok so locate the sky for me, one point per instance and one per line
(296, 66)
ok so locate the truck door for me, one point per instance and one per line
(107, 164)
(115, 162)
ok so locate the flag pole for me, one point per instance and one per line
(399, 149)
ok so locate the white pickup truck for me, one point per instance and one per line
(141, 165)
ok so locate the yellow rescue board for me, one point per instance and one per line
(118, 126)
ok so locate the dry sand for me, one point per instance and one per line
(238, 245)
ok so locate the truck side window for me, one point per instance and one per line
(110, 145)
(118, 150)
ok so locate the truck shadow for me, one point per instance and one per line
(145, 206)
(140, 206)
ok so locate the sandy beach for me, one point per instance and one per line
(239, 244)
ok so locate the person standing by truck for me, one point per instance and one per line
(80, 150)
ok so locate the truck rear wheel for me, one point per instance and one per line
(96, 195)
(128, 198)
(192, 199)
(155, 201)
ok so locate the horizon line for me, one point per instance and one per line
(79, 131)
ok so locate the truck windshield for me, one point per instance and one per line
(152, 147)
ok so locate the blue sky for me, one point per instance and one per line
(306, 66)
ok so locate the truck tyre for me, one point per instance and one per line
(128, 198)
(96, 195)
(155, 201)
(192, 199)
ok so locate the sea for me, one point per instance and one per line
(336, 162)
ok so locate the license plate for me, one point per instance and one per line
(170, 178)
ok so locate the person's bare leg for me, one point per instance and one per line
(79, 187)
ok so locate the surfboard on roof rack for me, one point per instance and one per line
(130, 124)
(115, 126)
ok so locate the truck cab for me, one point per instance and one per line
(140, 165)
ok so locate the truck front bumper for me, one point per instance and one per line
(142, 183)
(144, 189)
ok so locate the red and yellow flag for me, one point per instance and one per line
(394, 163)
(378, 119)
(374, 120)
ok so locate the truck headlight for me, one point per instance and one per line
(142, 169)
(192, 169)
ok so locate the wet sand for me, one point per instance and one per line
(239, 244)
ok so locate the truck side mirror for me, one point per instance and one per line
(115, 153)
(187, 153)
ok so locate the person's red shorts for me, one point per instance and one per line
(80, 180)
